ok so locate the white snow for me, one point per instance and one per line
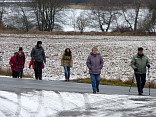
(117, 52)
(58, 104)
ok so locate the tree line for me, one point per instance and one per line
(48, 15)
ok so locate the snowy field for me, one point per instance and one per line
(61, 104)
(116, 51)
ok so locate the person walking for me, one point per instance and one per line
(95, 64)
(38, 56)
(20, 60)
(33, 66)
(13, 65)
(67, 62)
(139, 63)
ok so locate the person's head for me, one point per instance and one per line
(39, 44)
(140, 51)
(20, 49)
(94, 50)
(67, 52)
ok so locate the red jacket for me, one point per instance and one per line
(20, 60)
(32, 64)
(13, 63)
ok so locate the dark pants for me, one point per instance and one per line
(38, 70)
(141, 80)
(20, 73)
(14, 74)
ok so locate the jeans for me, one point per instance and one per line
(20, 73)
(38, 70)
(95, 80)
(67, 71)
(141, 80)
(14, 74)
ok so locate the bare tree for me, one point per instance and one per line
(82, 22)
(132, 19)
(1, 12)
(46, 13)
(104, 13)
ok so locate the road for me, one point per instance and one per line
(20, 85)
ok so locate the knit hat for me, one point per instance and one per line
(39, 42)
(140, 49)
(20, 49)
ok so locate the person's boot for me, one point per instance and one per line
(65, 78)
(140, 93)
(94, 92)
(97, 89)
(68, 79)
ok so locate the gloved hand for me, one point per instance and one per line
(136, 69)
(148, 66)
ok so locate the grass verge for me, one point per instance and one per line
(8, 72)
(116, 82)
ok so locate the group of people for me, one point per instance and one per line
(94, 63)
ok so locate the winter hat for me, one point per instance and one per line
(20, 49)
(39, 42)
(94, 48)
(140, 49)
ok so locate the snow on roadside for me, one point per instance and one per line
(117, 52)
(49, 103)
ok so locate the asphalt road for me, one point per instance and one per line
(22, 85)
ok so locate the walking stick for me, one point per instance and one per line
(131, 83)
(149, 81)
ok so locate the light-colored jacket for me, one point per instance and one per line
(140, 63)
(67, 61)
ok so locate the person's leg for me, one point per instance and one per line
(21, 71)
(97, 82)
(138, 82)
(36, 69)
(143, 81)
(40, 70)
(66, 74)
(93, 82)
(18, 73)
(68, 69)
(14, 74)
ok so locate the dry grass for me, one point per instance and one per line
(8, 72)
(75, 33)
(116, 82)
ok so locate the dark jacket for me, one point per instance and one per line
(13, 63)
(20, 60)
(95, 63)
(38, 54)
(140, 63)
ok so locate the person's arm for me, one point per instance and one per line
(43, 65)
(71, 62)
(101, 62)
(133, 63)
(30, 64)
(148, 63)
(44, 57)
(32, 54)
(62, 61)
(11, 61)
(88, 63)
(24, 58)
